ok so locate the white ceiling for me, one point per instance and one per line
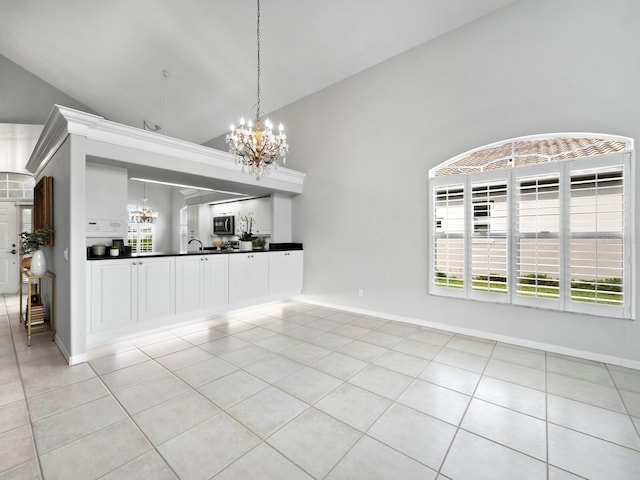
(109, 55)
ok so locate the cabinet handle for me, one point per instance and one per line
(134, 263)
(139, 263)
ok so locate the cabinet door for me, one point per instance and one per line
(259, 275)
(193, 221)
(113, 294)
(263, 216)
(216, 281)
(295, 271)
(239, 277)
(285, 272)
(277, 272)
(156, 288)
(189, 283)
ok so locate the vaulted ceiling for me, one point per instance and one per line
(111, 55)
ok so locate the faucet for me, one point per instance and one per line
(196, 240)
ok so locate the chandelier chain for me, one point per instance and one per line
(258, 146)
(258, 43)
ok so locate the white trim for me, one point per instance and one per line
(547, 347)
(63, 121)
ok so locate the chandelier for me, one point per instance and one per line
(257, 146)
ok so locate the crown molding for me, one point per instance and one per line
(63, 121)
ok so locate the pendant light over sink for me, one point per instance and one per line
(257, 146)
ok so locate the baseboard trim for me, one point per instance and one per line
(548, 347)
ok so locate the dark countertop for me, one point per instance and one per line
(279, 247)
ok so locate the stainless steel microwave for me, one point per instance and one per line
(224, 225)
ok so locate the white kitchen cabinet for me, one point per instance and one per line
(114, 295)
(248, 276)
(134, 294)
(193, 221)
(285, 271)
(189, 279)
(125, 292)
(201, 282)
(216, 280)
(156, 288)
(263, 216)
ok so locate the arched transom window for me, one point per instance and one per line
(541, 221)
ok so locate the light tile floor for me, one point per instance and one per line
(294, 391)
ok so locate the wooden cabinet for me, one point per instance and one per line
(125, 292)
(285, 272)
(201, 282)
(248, 276)
(34, 315)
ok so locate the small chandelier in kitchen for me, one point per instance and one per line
(256, 145)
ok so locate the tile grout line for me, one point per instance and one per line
(624, 404)
(471, 397)
(130, 418)
(24, 391)
(546, 413)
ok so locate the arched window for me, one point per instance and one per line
(541, 221)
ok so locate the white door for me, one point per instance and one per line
(9, 249)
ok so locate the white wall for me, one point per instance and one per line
(536, 66)
(26, 98)
(59, 168)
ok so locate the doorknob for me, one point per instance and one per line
(13, 251)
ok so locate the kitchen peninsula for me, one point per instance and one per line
(72, 148)
(148, 291)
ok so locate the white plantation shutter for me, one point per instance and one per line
(448, 226)
(538, 238)
(140, 237)
(489, 237)
(554, 235)
(597, 243)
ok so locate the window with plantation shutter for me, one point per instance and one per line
(538, 221)
(538, 237)
(597, 236)
(448, 232)
(489, 261)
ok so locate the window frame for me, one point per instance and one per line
(564, 170)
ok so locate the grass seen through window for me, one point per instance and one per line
(607, 291)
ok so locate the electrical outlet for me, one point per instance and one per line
(361, 293)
